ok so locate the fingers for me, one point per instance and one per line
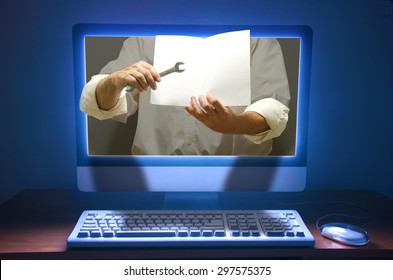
(201, 108)
(207, 107)
(152, 71)
(141, 75)
(217, 105)
(195, 109)
(212, 113)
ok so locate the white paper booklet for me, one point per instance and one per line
(219, 65)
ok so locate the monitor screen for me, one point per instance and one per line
(135, 151)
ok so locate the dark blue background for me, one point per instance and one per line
(351, 91)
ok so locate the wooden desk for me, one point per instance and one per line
(35, 224)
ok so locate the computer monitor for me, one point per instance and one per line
(103, 166)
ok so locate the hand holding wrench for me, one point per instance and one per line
(176, 68)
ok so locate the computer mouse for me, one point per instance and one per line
(345, 233)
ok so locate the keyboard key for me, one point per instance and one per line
(83, 234)
(233, 227)
(253, 226)
(219, 233)
(195, 233)
(95, 233)
(88, 226)
(182, 233)
(167, 233)
(275, 233)
(214, 223)
(207, 232)
(246, 233)
(108, 234)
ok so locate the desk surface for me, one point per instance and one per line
(35, 224)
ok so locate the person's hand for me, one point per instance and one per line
(140, 75)
(221, 119)
(213, 114)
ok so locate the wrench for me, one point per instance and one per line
(175, 68)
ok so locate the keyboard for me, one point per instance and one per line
(269, 228)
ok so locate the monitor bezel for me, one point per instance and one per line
(80, 31)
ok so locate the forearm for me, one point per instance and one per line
(107, 94)
(250, 123)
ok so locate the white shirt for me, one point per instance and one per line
(170, 130)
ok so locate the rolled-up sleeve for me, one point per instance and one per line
(276, 115)
(88, 103)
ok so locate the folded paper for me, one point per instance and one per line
(218, 65)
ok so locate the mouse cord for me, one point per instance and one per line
(365, 217)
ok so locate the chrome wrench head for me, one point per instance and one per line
(175, 68)
(178, 67)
